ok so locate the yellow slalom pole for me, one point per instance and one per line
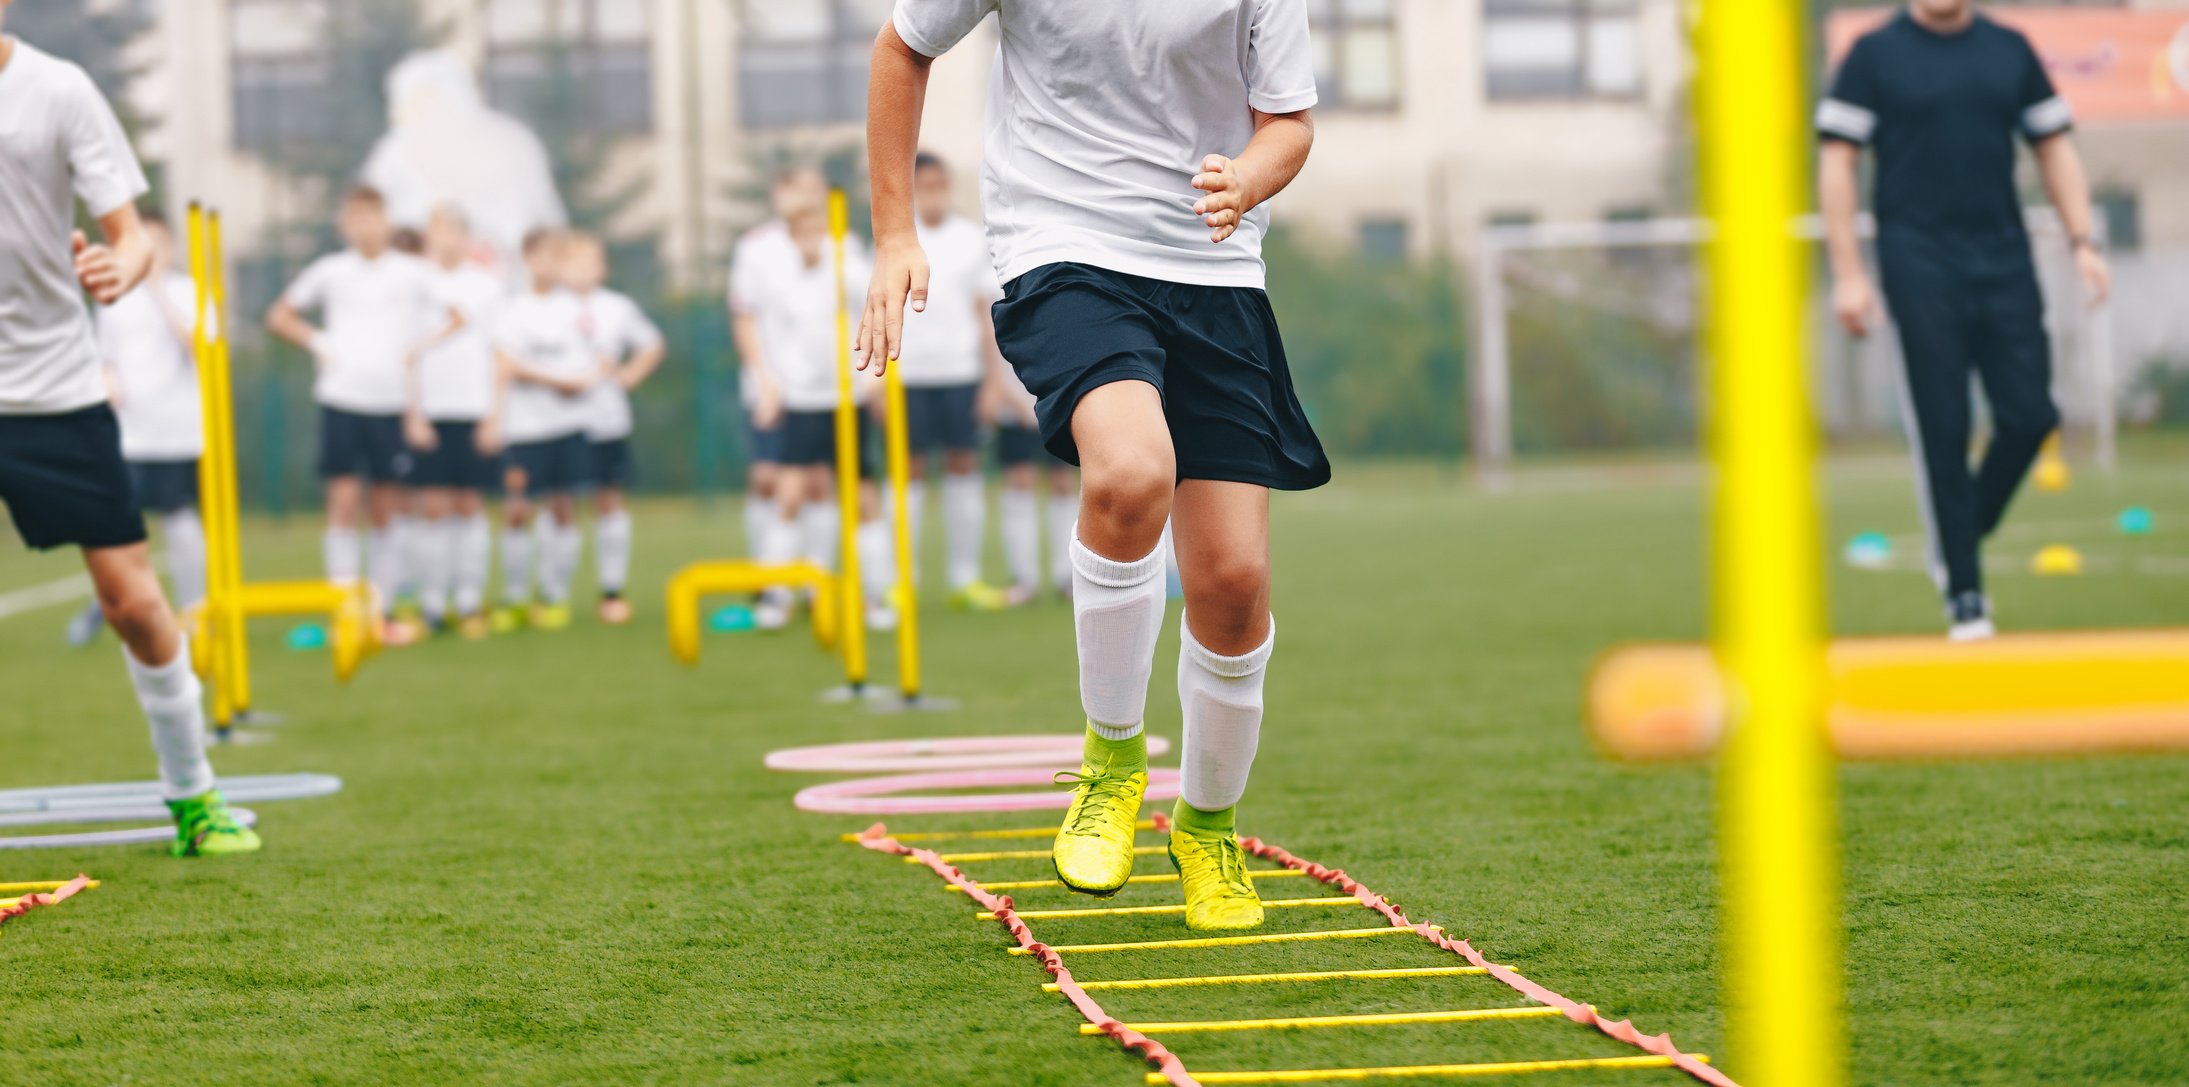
(1168, 907)
(1777, 829)
(852, 599)
(1427, 1071)
(230, 620)
(39, 886)
(1259, 874)
(1233, 941)
(896, 436)
(1011, 832)
(1311, 1022)
(1026, 854)
(1291, 976)
(217, 598)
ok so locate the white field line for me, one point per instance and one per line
(33, 597)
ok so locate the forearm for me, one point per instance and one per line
(1838, 203)
(2067, 184)
(284, 322)
(642, 365)
(896, 92)
(125, 238)
(1275, 155)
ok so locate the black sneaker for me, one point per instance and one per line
(1970, 616)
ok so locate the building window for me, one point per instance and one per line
(805, 63)
(584, 62)
(280, 76)
(1535, 49)
(1382, 240)
(1356, 53)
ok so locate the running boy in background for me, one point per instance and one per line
(1027, 465)
(1126, 219)
(454, 460)
(629, 348)
(761, 254)
(795, 310)
(152, 381)
(379, 308)
(545, 369)
(948, 378)
(62, 476)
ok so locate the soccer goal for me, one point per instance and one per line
(1587, 340)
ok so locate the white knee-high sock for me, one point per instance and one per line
(473, 556)
(560, 548)
(519, 555)
(1117, 611)
(384, 564)
(184, 534)
(758, 512)
(776, 540)
(1063, 521)
(411, 545)
(877, 559)
(1021, 530)
(436, 559)
(820, 533)
(343, 555)
(174, 705)
(964, 520)
(1222, 700)
(612, 550)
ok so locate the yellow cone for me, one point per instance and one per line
(2059, 559)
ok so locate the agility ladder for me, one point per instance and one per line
(17, 899)
(1657, 1050)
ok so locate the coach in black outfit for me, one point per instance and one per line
(1940, 92)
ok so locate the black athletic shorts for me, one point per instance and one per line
(63, 480)
(164, 486)
(369, 446)
(608, 463)
(809, 439)
(1213, 353)
(1016, 445)
(554, 466)
(763, 445)
(941, 417)
(454, 462)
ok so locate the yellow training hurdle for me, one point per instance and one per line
(693, 583)
(217, 624)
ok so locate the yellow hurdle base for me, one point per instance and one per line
(1310, 1022)
(1025, 855)
(1232, 941)
(1428, 1071)
(1278, 978)
(1167, 907)
(1008, 832)
(1160, 877)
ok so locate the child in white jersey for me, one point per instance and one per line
(62, 476)
(545, 368)
(759, 256)
(629, 347)
(378, 306)
(453, 459)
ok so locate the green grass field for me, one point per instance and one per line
(557, 857)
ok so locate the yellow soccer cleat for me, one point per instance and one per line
(550, 616)
(1094, 848)
(1212, 871)
(507, 619)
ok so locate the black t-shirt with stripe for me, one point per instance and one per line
(1942, 111)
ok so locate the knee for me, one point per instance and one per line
(1129, 490)
(1233, 585)
(2032, 422)
(135, 610)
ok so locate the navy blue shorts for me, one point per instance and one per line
(809, 440)
(1016, 445)
(368, 446)
(1213, 353)
(610, 463)
(455, 462)
(941, 417)
(554, 466)
(763, 445)
(164, 486)
(63, 480)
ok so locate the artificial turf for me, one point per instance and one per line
(557, 857)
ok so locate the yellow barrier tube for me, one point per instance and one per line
(1312, 1022)
(40, 886)
(896, 436)
(1428, 1071)
(1287, 976)
(847, 458)
(1233, 941)
(1011, 832)
(229, 621)
(212, 646)
(1777, 830)
(1168, 907)
(1259, 874)
(1027, 854)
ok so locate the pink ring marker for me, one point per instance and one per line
(966, 753)
(884, 795)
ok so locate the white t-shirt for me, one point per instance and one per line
(943, 344)
(155, 377)
(456, 376)
(797, 311)
(1099, 115)
(540, 332)
(617, 329)
(58, 140)
(377, 311)
(761, 254)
